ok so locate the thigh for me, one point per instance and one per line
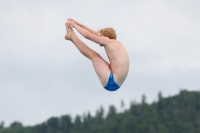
(102, 68)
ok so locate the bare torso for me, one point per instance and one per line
(117, 54)
(119, 61)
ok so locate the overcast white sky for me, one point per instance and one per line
(42, 75)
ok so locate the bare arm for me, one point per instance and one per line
(85, 27)
(88, 35)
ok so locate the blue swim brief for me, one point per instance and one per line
(111, 85)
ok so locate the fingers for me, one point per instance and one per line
(70, 22)
(73, 20)
(69, 19)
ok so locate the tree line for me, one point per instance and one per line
(174, 114)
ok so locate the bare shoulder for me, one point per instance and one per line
(114, 45)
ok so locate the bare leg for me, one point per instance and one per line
(83, 48)
(101, 67)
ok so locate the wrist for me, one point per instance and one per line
(80, 24)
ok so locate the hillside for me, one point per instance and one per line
(175, 114)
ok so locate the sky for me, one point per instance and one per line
(42, 75)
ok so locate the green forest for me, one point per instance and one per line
(174, 114)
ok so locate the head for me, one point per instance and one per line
(108, 32)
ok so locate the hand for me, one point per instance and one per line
(75, 21)
(71, 22)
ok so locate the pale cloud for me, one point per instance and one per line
(43, 75)
(165, 34)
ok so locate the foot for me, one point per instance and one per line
(70, 31)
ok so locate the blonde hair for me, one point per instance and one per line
(108, 32)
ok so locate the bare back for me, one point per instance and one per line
(119, 60)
